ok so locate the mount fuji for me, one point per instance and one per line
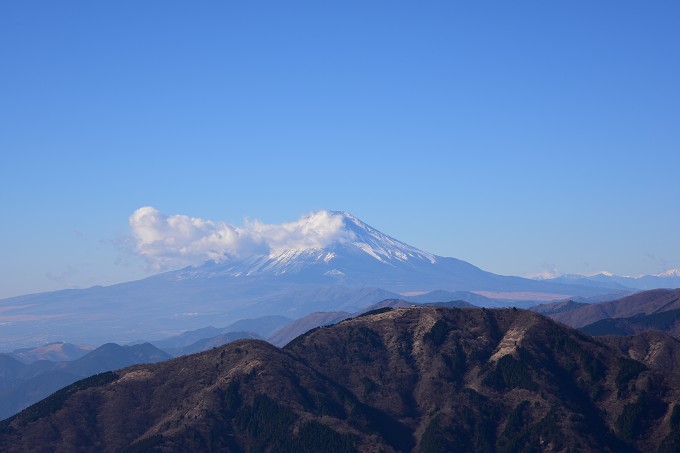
(337, 263)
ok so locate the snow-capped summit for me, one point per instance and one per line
(669, 273)
(329, 230)
(324, 244)
(602, 273)
(175, 241)
(376, 244)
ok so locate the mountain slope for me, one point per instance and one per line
(416, 379)
(654, 349)
(646, 302)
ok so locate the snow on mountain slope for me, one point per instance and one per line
(336, 248)
(669, 273)
(351, 239)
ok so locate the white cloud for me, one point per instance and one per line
(549, 271)
(178, 240)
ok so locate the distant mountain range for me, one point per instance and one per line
(425, 379)
(23, 384)
(362, 267)
(668, 279)
(665, 321)
(645, 303)
(654, 310)
(54, 352)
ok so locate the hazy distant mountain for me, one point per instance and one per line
(399, 380)
(359, 268)
(616, 294)
(554, 308)
(24, 384)
(263, 326)
(260, 327)
(668, 279)
(296, 328)
(54, 352)
(212, 342)
(440, 295)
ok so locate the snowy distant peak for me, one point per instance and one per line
(602, 273)
(667, 279)
(670, 273)
(329, 232)
(379, 245)
(329, 241)
(176, 241)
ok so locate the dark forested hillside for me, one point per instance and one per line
(405, 379)
(642, 303)
(665, 321)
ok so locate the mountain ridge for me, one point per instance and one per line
(667, 279)
(403, 379)
(645, 302)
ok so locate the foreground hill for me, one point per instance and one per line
(415, 379)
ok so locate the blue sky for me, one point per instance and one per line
(519, 136)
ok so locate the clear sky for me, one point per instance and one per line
(520, 136)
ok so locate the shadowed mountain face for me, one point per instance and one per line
(643, 303)
(362, 266)
(665, 321)
(405, 379)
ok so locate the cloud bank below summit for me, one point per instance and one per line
(173, 241)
